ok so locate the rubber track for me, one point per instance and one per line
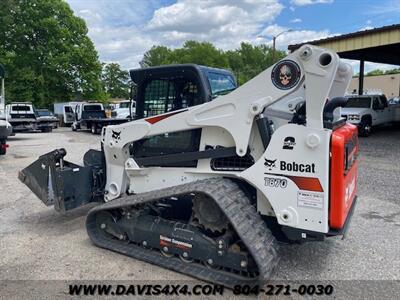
(233, 202)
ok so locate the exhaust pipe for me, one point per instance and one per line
(331, 106)
(63, 184)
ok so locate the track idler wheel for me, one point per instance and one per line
(107, 222)
(208, 214)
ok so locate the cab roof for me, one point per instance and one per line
(170, 71)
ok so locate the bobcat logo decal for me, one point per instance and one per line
(116, 135)
(269, 163)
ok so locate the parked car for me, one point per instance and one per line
(46, 117)
(367, 111)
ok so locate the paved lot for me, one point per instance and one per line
(38, 243)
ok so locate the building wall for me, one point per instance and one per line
(387, 84)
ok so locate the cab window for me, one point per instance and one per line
(21, 108)
(377, 104)
(221, 84)
(383, 101)
(162, 96)
(168, 143)
(158, 98)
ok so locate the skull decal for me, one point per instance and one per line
(286, 74)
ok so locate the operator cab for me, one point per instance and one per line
(169, 88)
(172, 87)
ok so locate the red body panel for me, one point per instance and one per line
(343, 174)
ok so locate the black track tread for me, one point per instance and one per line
(233, 202)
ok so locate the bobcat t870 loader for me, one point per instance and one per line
(209, 186)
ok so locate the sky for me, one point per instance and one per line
(122, 30)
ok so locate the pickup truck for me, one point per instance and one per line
(122, 110)
(22, 117)
(368, 111)
(92, 116)
(46, 119)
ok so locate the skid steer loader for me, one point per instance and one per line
(208, 184)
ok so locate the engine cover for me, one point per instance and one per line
(343, 174)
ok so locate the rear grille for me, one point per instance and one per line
(22, 116)
(232, 163)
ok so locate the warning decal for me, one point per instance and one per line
(166, 241)
(310, 199)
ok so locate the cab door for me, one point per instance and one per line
(68, 114)
(77, 112)
(378, 111)
(386, 111)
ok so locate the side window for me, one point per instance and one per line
(221, 83)
(159, 97)
(376, 104)
(162, 96)
(190, 95)
(168, 143)
(383, 101)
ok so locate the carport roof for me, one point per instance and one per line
(381, 45)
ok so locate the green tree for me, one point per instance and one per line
(156, 56)
(47, 52)
(115, 81)
(245, 62)
(248, 60)
(375, 72)
(393, 71)
(202, 53)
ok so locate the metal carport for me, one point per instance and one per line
(379, 45)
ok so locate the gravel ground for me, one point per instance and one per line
(37, 243)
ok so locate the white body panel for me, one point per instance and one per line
(229, 121)
(289, 206)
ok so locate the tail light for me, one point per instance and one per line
(343, 174)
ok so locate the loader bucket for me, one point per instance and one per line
(64, 184)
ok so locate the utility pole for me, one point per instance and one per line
(274, 43)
